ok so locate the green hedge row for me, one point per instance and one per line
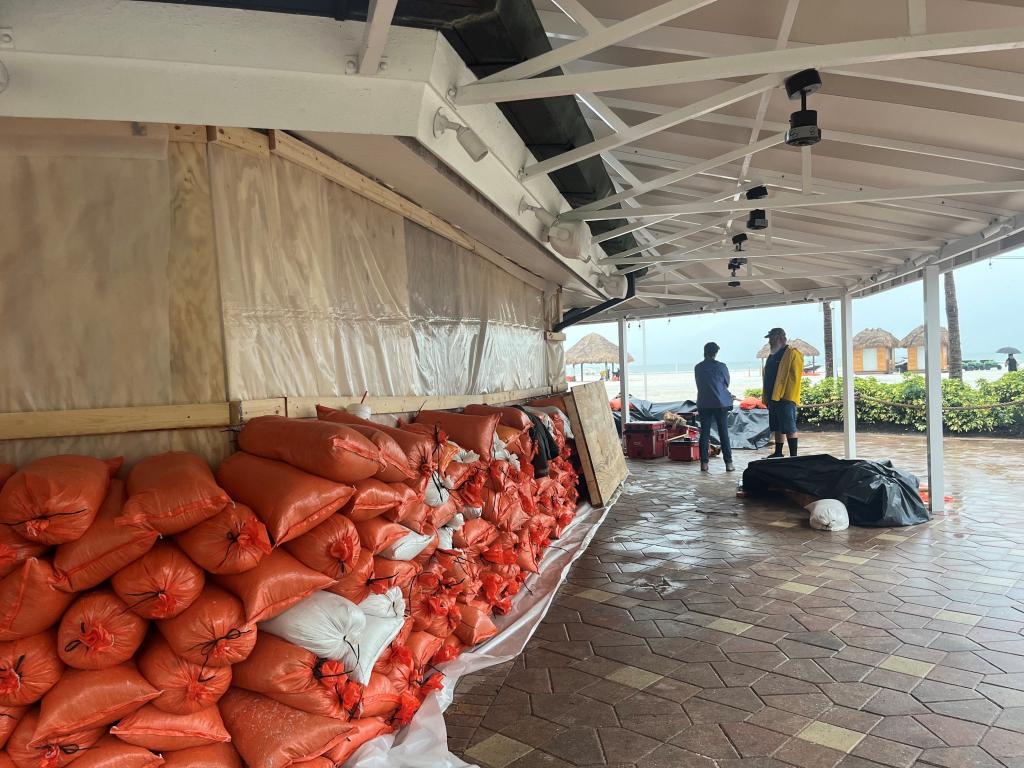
(911, 391)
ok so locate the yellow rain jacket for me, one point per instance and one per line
(789, 377)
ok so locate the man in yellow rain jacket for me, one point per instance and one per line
(783, 375)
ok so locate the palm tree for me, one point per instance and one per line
(830, 366)
(956, 358)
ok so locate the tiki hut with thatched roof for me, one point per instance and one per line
(593, 349)
(805, 349)
(873, 351)
(913, 342)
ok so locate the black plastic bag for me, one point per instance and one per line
(876, 494)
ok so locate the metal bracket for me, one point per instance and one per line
(6, 37)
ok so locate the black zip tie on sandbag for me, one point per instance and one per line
(77, 642)
(47, 517)
(148, 596)
(16, 669)
(209, 646)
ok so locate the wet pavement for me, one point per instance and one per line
(700, 629)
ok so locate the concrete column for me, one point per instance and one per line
(623, 373)
(933, 299)
(849, 404)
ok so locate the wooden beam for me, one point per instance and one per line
(305, 407)
(106, 421)
(253, 142)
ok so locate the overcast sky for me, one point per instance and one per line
(990, 298)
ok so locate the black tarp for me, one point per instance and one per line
(876, 494)
(748, 430)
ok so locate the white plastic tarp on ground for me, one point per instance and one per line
(424, 742)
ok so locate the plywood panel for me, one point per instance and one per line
(604, 466)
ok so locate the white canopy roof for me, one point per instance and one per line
(921, 158)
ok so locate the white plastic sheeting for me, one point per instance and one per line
(424, 742)
(326, 293)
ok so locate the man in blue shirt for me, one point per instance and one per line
(714, 402)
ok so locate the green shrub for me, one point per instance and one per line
(903, 403)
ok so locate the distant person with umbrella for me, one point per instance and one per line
(714, 401)
(1011, 361)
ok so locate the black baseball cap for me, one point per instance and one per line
(775, 332)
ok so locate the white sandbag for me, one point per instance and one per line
(437, 491)
(407, 547)
(463, 456)
(500, 452)
(446, 533)
(828, 515)
(385, 615)
(324, 623)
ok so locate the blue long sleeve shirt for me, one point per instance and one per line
(712, 384)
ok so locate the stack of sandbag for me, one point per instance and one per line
(288, 609)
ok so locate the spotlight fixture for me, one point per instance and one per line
(738, 241)
(758, 218)
(803, 124)
(468, 138)
(734, 264)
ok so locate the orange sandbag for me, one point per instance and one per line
(475, 626)
(275, 585)
(319, 447)
(6, 473)
(294, 676)
(160, 584)
(363, 729)
(474, 433)
(84, 699)
(376, 534)
(110, 752)
(28, 669)
(104, 549)
(15, 550)
(211, 756)
(232, 541)
(373, 498)
(55, 499)
(6, 761)
(287, 500)
(186, 687)
(316, 762)
(99, 631)
(512, 438)
(269, 734)
(475, 536)
(381, 698)
(419, 449)
(423, 646)
(393, 573)
(331, 548)
(161, 731)
(452, 647)
(508, 416)
(211, 632)
(354, 585)
(172, 492)
(53, 752)
(9, 719)
(29, 603)
(394, 462)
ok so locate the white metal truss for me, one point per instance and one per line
(378, 21)
(703, 43)
(746, 64)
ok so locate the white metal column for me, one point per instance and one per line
(933, 384)
(623, 373)
(849, 403)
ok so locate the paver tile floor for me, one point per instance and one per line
(700, 629)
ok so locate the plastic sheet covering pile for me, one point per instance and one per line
(876, 493)
(748, 428)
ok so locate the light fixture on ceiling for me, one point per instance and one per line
(468, 138)
(734, 264)
(738, 241)
(803, 124)
(995, 228)
(758, 218)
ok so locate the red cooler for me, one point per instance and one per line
(683, 449)
(645, 439)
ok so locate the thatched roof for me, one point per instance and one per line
(872, 338)
(799, 344)
(593, 348)
(916, 338)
